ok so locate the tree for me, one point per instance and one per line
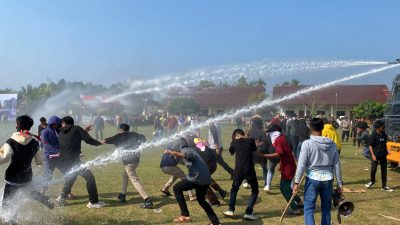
(183, 105)
(206, 83)
(242, 82)
(369, 109)
(258, 83)
(257, 98)
(294, 82)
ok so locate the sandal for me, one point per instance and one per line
(183, 219)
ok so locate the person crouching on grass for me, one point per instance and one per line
(128, 141)
(198, 178)
(287, 166)
(243, 149)
(20, 149)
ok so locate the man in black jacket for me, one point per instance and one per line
(126, 144)
(70, 164)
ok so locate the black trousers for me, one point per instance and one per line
(374, 166)
(71, 178)
(222, 162)
(185, 185)
(237, 181)
(345, 134)
(11, 190)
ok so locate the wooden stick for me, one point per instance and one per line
(291, 200)
(389, 217)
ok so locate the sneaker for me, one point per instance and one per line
(194, 198)
(148, 204)
(223, 194)
(267, 188)
(386, 188)
(96, 205)
(60, 201)
(122, 198)
(166, 192)
(250, 217)
(229, 213)
(246, 185)
(369, 185)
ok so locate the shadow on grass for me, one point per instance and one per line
(112, 222)
(161, 201)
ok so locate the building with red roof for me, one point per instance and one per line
(337, 100)
(217, 100)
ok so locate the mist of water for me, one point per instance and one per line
(231, 73)
(117, 155)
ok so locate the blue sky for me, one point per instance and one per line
(110, 41)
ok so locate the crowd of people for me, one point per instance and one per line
(301, 147)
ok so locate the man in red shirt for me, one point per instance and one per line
(287, 165)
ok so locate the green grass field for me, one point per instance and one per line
(269, 207)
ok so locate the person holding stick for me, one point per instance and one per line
(319, 158)
(287, 166)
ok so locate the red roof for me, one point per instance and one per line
(346, 94)
(219, 96)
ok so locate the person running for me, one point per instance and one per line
(203, 149)
(215, 141)
(319, 158)
(379, 151)
(124, 142)
(51, 146)
(243, 149)
(70, 138)
(198, 178)
(169, 166)
(268, 166)
(287, 166)
(20, 149)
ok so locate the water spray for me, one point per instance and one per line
(117, 155)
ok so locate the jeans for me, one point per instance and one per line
(49, 166)
(313, 188)
(268, 172)
(185, 185)
(237, 181)
(71, 178)
(374, 166)
(345, 134)
(294, 141)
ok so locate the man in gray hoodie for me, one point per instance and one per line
(198, 178)
(319, 158)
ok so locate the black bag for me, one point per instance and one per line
(270, 149)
